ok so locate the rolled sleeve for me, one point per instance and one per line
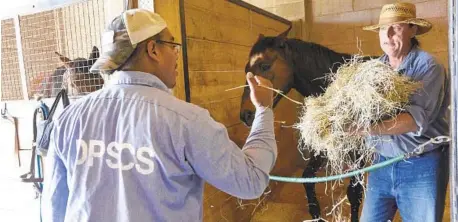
(425, 104)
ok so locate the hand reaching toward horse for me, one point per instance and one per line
(260, 96)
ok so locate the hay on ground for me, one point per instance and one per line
(360, 94)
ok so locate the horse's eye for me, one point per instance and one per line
(265, 67)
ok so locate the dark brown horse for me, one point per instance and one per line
(74, 75)
(295, 64)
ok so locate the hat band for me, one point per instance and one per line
(390, 20)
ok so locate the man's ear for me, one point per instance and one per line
(151, 50)
(415, 30)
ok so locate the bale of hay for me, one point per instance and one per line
(360, 94)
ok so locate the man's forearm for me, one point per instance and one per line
(262, 138)
(402, 123)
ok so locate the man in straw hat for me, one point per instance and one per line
(133, 152)
(417, 186)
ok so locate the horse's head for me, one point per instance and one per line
(77, 79)
(269, 58)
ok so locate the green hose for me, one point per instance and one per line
(337, 177)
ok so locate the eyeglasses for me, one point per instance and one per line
(176, 46)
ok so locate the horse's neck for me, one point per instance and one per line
(311, 78)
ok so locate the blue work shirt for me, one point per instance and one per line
(428, 106)
(133, 152)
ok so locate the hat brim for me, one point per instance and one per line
(423, 25)
(113, 56)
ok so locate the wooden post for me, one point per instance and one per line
(173, 13)
(20, 54)
(132, 4)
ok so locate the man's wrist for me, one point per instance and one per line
(263, 107)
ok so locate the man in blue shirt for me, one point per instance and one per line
(133, 152)
(417, 186)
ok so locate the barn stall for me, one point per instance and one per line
(216, 36)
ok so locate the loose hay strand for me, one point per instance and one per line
(266, 87)
(361, 93)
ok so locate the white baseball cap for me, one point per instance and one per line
(122, 36)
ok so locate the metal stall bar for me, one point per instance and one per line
(453, 64)
(1, 71)
(184, 51)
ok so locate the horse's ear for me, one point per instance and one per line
(285, 33)
(247, 66)
(65, 61)
(93, 56)
(95, 53)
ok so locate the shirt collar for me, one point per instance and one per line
(137, 78)
(407, 61)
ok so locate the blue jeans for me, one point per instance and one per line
(416, 186)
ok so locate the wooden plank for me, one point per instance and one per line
(169, 10)
(265, 31)
(213, 56)
(296, 30)
(221, 208)
(218, 27)
(239, 133)
(211, 86)
(226, 111)
(230, 209)
(210, 192)
(262, 12)
(436, 39)
(222, 7)
(260, 20)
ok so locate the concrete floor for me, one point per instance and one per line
(290, 204)
(17, 199)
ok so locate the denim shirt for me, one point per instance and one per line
(133, 152)
(428, 106)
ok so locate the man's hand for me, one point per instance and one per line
(261, 97)
(352, 130)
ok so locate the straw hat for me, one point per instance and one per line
(400, 13)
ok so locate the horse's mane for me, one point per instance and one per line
(310, 61)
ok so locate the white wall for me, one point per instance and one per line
(17, 201)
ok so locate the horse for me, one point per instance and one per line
(296, 64)
(74, 75)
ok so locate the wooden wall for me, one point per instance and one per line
(345, 18)
(217, 52)
(338, 24)
(219, 36)
(289, 9)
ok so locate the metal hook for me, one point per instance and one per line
(4, 111)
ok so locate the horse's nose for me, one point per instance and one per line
(247, 117)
